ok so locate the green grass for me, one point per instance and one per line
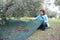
(50, 34)
(21, 18)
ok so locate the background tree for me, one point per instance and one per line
(19, 8)
(24, 8)
(57, 2)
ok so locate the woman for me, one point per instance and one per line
(44, 17)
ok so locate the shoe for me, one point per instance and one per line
(43, 31)
(48, 27)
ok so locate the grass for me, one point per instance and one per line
(50, 34)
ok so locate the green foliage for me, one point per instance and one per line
(24, 8)
(57, 2)
(19, 8)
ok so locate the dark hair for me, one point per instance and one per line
(43, 11)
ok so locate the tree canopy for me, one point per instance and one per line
(20, 8)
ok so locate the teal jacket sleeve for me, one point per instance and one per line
(38, 17)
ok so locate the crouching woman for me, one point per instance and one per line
(43, 16)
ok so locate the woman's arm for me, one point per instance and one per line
(36, 17)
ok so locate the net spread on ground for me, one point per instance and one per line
(18, 30)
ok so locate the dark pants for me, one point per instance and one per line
(43, 26)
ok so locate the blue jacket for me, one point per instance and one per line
(42, 17)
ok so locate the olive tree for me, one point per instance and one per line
(19, 8)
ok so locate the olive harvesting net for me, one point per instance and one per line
(18, 30)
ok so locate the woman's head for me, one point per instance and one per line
(42, 12)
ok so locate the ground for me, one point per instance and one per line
(50, 34)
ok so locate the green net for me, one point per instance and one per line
(18, 30)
